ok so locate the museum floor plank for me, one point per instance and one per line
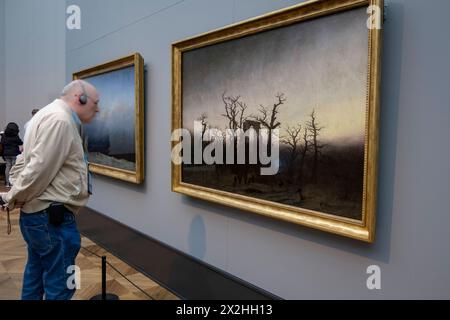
(13, 258)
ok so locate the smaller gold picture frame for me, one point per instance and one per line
(115, 139)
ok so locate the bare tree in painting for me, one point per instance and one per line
(298, 146)
(314, 132)
(234, 111)
(203, 118)
(303, 151)
(293, 141)
(269, 117)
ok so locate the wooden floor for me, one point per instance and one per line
(13, 258)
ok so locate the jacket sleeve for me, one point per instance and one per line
(16, 169)
(53, 142)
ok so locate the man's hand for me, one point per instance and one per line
(2, 202)
(19, 205)
(4, 205)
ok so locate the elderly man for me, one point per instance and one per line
(50, 183)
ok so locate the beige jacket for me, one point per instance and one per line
(52, 166)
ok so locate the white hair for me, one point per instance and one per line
(76, 83)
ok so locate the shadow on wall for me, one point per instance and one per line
(197, 238)
(390, 87)
(186, 272)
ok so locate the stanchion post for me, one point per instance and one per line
(103, 277)
(104, 295)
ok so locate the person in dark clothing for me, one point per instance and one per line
(12, 147)
(2, 162)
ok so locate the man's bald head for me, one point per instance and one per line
(71, 96)
(78, 86)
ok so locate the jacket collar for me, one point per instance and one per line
(75, 119)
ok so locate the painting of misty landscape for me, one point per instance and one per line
(110, 138)
(309, 81)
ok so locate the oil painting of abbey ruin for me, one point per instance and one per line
(306, 81)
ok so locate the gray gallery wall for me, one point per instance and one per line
(412, 245)
(287, 260)
(35, 55)
(2, 65)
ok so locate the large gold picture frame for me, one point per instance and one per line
(184, 62)
(121, 87)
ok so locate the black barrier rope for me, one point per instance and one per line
(119, 273)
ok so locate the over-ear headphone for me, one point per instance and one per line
(83, 97)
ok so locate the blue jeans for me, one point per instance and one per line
(51, 250)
